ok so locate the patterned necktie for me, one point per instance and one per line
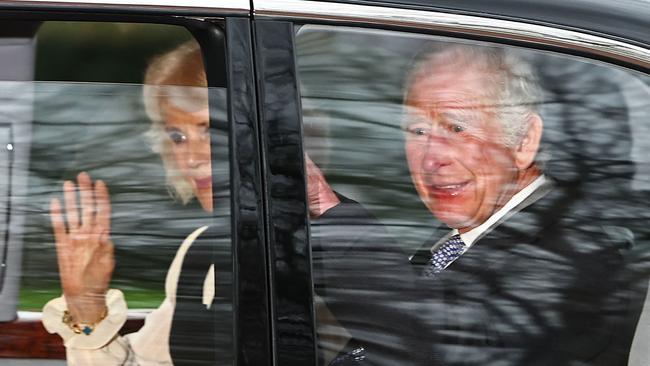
(445, 254)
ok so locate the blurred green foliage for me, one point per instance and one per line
(101, 52)
(33, 299)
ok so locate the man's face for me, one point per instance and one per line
(460, 167)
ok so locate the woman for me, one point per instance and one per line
(89, 315)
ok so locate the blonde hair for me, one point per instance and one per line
(177, 77)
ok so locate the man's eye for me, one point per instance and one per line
(176, 137)
(457, 128)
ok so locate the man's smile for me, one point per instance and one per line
(447, 189)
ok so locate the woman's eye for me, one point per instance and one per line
(419, 131)
(176, 137)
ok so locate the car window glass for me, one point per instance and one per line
(481, 203)
(105, 101)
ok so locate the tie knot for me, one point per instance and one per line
(455, 240)
(448, 252)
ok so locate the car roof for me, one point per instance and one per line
(627, 19)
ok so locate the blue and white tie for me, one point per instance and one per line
(445, 254)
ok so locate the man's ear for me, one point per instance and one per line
(527, 149)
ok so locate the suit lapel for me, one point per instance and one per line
(492, 248)
(510, 238)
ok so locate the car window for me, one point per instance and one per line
(126, 106)
(471, 202)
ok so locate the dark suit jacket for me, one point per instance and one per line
(366, 283)
(545, 286)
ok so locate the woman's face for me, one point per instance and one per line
(190, 140)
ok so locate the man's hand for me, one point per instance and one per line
(84, 249)
(321, 197)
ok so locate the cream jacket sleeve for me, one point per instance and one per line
(147, 347)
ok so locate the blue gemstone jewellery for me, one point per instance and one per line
(82, 328)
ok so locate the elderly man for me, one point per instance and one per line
(522, 276)
(472, 134)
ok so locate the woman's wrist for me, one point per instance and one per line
(104, 331)
(79, 327)
(88, 309)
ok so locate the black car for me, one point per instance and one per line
(307, 99)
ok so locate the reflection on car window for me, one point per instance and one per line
(485, 204)
(115, 199)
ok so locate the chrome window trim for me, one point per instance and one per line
(194, 6)
(454, 23)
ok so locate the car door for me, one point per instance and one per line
(80, 98)
(335, 131)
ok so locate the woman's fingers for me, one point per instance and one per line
(103, 218)
(57, 221)
(87, 200)
(70, 197)
(60, 236)
(94, 226)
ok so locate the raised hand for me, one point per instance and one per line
(320, 194)
(83, 246)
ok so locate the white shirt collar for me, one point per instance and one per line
(470, 237)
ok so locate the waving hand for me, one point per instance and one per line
(83, 246)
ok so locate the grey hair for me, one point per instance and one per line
(516, 92)
(177, 76)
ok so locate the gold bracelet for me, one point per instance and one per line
(80, 328)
